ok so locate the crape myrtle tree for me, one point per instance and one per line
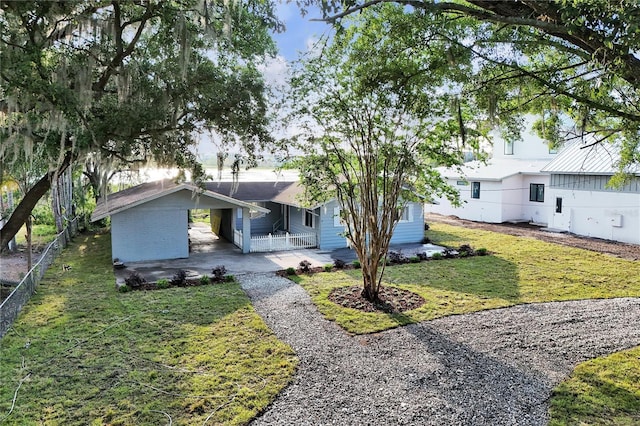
(376, 119)
(567, 61)
(129, 81)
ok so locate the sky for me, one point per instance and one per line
(300, 35)
(300, 32)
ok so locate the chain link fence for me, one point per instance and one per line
(11, 306)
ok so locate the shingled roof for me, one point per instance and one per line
(150, 191)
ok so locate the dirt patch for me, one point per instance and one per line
(392, 300)
(13, 266)
(617, 249)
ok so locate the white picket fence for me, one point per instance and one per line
(283, 242)
(237, 238)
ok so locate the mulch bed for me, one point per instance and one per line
(392, 300)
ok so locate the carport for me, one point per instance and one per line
(150, 221)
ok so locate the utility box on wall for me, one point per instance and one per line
(616, 220)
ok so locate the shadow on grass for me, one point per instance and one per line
(487, 277)
(587, 397)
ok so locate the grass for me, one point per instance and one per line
(82, 353)
(604, 390)
(41, 235)
(520, 270)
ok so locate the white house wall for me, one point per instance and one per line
(500, 201)
(140, 234)
(534, 211)
(487, 208)
(607, 215)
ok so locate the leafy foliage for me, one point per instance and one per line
(130, 81)
(377, 118)
(573, 63)
(179, 278)
(135, 280)
(218, 273)
(305, 266)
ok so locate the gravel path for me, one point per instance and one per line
(494, 367)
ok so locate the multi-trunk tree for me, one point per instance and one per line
(129, 80)
(376, 119)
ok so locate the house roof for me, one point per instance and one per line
(250, 191)
(496, 169)
(150, 191)
(587, 158)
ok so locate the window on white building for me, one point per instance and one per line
(508, 148)
(536, 192)
(475, 189)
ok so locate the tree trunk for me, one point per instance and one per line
(29, 243)
(371, 287)
(26, 206)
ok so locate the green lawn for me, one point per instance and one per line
(82, 353)
(41, 235)
(519, 270)
(603, 391)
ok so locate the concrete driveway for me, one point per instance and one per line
(232, 259)
(208, 251)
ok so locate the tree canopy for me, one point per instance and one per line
(376, 119)
(130, 80)
(568, 61)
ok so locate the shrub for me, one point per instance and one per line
(135, 280)
(481, 251)
(163, 283)
(328, 267)
(124, 289)
(204, 280)
(305, 266)
(291, 271)
(339, 264)
(356, 264)
(229, 278)
(436, 256)
(180, 278)
(43, 215)
(396, 258)
(218, 274)
(422, 256)
(465, 250)
(448, 253)
(414, 259)
(426, 240)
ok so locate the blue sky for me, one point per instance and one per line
(300, 31)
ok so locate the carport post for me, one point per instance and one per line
(246, 230)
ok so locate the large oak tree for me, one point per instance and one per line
(131, 80)
(568, 61)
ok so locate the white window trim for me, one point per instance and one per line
(408, 209)
(304, 218)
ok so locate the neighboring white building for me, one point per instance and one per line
(568, 191)
(509, 187)
(583, 202)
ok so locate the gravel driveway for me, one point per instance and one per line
(493, 367)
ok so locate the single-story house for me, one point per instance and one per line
(150, 221)
(583, 201)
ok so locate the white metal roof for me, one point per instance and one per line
(587, 158)
(495, 169)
